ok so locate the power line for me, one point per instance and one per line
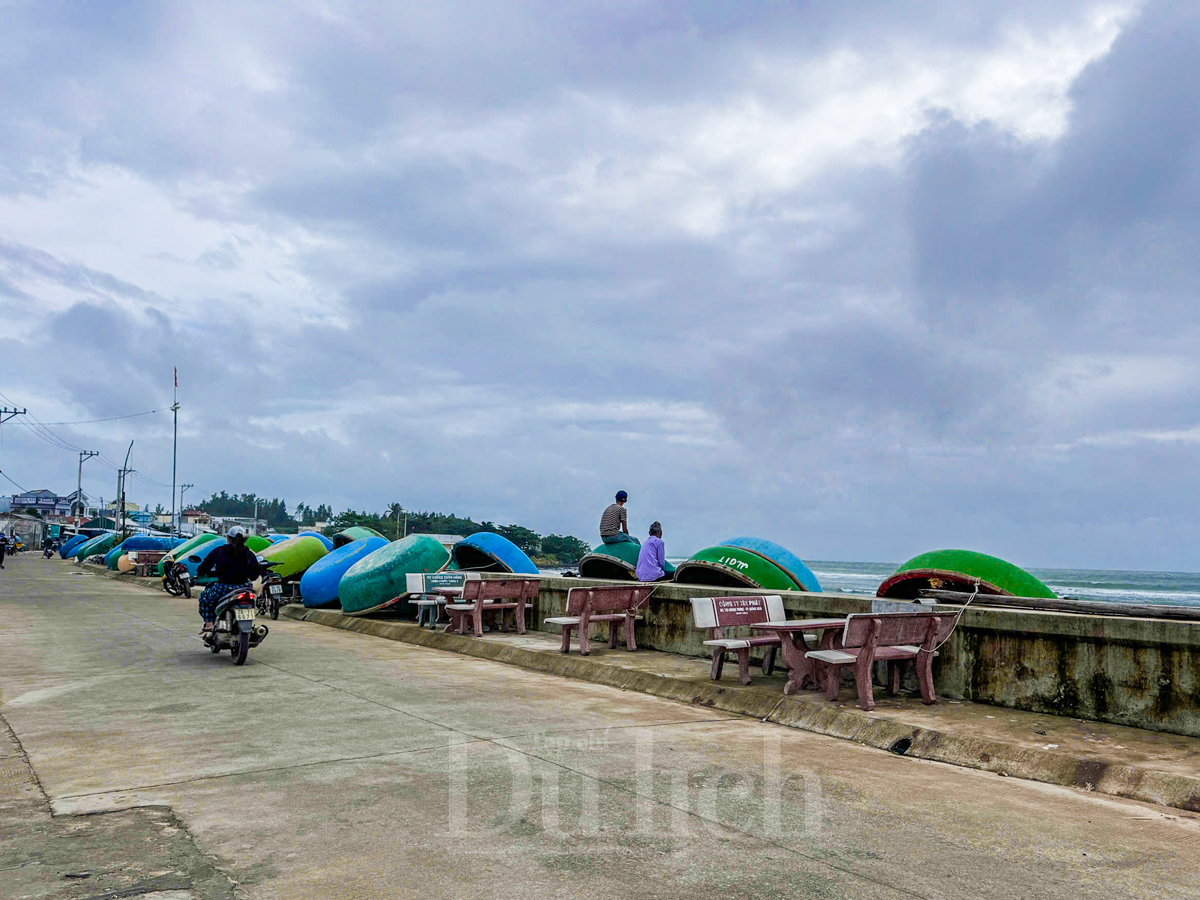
(38, 428)
(13, 482)
(148, 412)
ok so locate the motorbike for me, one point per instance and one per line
(177, 580)
(48, 550)
(271, 595)
(234, 628)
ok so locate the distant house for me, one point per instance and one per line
(195, 517)
(43, 502)
(446, 540)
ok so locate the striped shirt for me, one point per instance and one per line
(612, 520)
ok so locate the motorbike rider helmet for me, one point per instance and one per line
(236, 533)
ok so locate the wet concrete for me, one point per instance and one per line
(339, 764)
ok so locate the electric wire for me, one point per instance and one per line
(112, 418)
(39, 429)
(23, 491)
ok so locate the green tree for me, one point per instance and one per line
(395, 511)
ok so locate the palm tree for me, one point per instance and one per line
(396, 510)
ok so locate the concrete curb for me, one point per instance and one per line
(1131, 782)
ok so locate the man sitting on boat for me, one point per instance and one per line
(652, 558)
(614, 523)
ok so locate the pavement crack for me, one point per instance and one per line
(244, 772)
(24, 757)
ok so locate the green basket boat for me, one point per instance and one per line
(294, 555)
(961, 570)
(100, 544)
(734, 567)
(616, 562)
(380, 579)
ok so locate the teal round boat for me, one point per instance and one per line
(377, 580)
(319, 585)
(961, 570)
(733, 567)
(615, 562)
(102, 543)
(294, 555)
(355, 533)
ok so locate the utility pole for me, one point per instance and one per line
(175, 451)
(83, 455)
(182, 491)
(9, 413)
(125, 470)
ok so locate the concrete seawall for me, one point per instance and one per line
(1139, 672)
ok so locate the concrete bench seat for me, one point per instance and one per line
(872, 637)
(493, 596)
(719, 613)
(617, 605)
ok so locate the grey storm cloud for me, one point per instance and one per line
(865, 279)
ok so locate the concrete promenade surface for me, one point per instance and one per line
(343, 765)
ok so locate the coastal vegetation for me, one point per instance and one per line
(394, 521)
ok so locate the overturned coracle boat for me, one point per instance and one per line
(961, 570)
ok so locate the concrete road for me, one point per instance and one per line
(338, 765)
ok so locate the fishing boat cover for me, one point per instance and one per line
(961, 570)
(793, 565)
(74, 542)
(329, 545)
(319, 585)
(733, 567)
(101, 543)
(617, 562)
(486, 551)
(380, 577)
(295, 554)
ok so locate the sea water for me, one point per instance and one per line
(1109, 585)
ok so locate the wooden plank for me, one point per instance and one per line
(1081, 607)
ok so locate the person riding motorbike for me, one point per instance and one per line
(235, 566)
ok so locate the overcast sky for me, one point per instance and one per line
(866, 279)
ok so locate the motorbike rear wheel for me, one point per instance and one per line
(187, 589)
(240, 648)
(274, 606)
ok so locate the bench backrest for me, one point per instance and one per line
(490, 590)
(730, 612)
(614, 599)
(892, 629)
